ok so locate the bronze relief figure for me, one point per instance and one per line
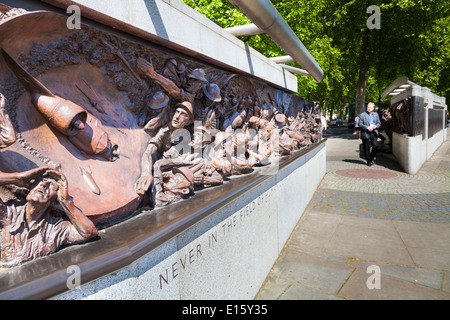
(98, 126)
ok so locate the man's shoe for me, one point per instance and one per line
(370, 163)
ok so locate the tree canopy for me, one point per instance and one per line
(413, 40)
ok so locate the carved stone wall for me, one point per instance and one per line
(102, 111)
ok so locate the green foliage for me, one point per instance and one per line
(221, 12)
(414, 41)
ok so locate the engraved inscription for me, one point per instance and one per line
(193, 254)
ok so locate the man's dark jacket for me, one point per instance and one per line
(364, 123)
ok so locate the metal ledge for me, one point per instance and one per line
(393, 89)
(295, 70)
(264, 15)
(244, 30)
(122, 244)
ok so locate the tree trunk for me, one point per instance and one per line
(324, 107)
(342, 108)
(361, 90)
(363, 78)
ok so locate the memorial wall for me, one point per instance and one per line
(415, 123)
(98, 129)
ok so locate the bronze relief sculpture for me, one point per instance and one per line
(32, 230)
(7, 133)
(103, 125)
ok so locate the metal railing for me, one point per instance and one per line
(266, 19)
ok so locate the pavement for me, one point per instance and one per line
(369, 233)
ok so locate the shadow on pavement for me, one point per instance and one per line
(385, 160)
(340, 132)
(355, 161)
(388, 161)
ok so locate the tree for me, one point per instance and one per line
(406, 44)
(416, 43)
(358, 62)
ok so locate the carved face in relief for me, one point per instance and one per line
(265, 135)
(44, 192)
(178, 185)
(180, 119)
(194, 85)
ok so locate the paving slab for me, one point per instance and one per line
(369, 244)
(361, 217)
(446, 282)
(274, 287)
(427, 277)
(318, 223)
(319, 272)
(314, 231)
(368, 223)
(425, 235)
(302, 292)
(429, 258)
(391, 288)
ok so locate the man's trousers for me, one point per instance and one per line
(370, 147)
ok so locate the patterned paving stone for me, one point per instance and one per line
(403, 183)
(384, 191)
(362, 216)
(366, 174)
(407, 207)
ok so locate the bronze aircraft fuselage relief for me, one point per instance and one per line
(95, 126)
